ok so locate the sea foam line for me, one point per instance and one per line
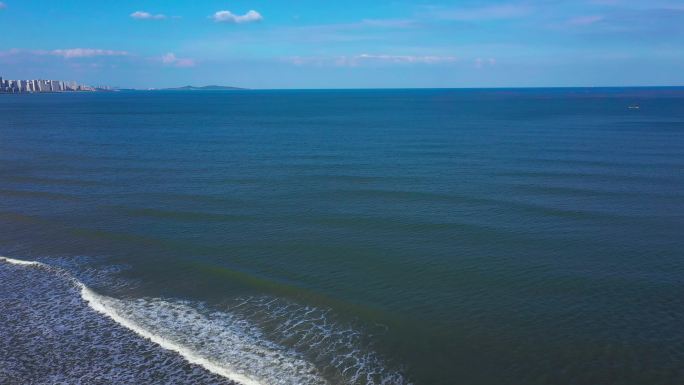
(95, 302)
(21, 262)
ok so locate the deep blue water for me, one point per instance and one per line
(344, 237)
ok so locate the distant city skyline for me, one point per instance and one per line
(354, 44)
(17, 86)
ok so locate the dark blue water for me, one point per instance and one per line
(343, 237)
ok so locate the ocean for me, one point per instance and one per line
(491, 236)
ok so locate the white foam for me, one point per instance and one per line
(99, 304)
(124, 313)
(256, 341)
(20, 262)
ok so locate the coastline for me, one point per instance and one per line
(99, 347)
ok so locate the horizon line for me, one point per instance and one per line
(237, 88)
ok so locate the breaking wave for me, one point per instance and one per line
(250, 341)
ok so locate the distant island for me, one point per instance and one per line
(203, 88)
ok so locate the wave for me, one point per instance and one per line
(258, 340)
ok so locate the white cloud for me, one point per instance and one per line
(229, 17)
(70, 53)
(170, 59)
(142, 15)
(73, 53)
(358, 60)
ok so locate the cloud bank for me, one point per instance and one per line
(74, 53)
(229, 17)
(69, 53)
(170, 59)
(142, 15)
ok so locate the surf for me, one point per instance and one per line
(233, 343)
(110, 308)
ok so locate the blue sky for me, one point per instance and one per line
(347, 44)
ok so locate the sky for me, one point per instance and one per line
(345, 44)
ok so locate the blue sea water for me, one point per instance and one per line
(501, 236)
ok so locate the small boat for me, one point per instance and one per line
(634, 107)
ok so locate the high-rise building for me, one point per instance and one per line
(38, 85)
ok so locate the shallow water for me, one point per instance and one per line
(344, 237)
